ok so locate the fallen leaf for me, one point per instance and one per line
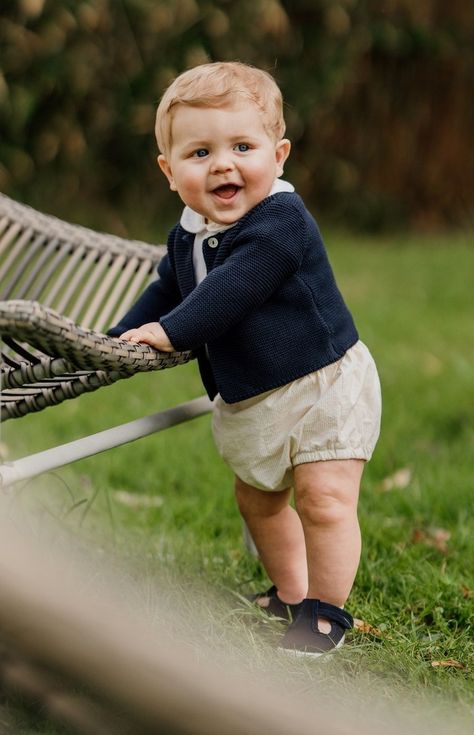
(467, 593)
(449, 663)
(398, 481)
(136, 500)
(437, 538)
(363, 627)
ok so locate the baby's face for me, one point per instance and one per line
(222, 162)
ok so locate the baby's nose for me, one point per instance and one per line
(222, 162)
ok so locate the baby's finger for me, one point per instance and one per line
(146, 337)
(131, 335)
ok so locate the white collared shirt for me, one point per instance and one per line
(195, 223)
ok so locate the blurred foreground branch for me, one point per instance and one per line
(38, 688)
(152, 681)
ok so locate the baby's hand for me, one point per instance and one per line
(151, 334)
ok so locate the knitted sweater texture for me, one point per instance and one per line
(269, 310)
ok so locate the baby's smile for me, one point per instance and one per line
(226, 191)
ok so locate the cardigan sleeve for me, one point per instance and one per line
(265, 254)
(160, 297)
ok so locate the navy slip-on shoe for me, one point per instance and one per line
(303, 637)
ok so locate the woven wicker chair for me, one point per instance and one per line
(61, 287)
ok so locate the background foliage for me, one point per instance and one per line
(378, 93)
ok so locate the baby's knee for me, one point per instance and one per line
(325, 503)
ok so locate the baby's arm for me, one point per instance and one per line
(151, 334)
(264, 256)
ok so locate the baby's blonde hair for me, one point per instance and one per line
(216, 85)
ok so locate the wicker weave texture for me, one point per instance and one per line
(58, 336)
(62, 285)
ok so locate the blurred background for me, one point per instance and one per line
(378, 104)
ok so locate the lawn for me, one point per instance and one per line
(164, 506)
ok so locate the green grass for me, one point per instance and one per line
(412, 300)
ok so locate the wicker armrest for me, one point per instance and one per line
(57, 336)
(48, 358)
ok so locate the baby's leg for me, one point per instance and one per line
(326, 495)
(278, 536)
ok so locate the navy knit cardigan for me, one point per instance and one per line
(269, 309)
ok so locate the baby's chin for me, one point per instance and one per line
(223, 221)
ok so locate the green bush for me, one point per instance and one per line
(377, 100)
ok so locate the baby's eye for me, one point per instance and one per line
(242, 147)
(201, 152)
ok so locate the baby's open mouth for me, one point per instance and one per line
(226, 191)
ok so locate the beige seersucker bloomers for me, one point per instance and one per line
(333, 413)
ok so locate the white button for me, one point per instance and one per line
(213, 242)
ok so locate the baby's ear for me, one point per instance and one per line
(166, 168)
(282, 151)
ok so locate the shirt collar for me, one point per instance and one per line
(193, 222)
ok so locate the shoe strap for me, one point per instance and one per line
(331, 612)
